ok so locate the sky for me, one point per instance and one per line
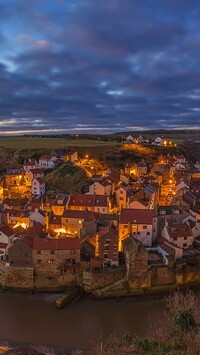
(99, 66)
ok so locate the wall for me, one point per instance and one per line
(99, 279)
(19, 278)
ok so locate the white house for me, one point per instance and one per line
(37, 216)
(38, 187)
(6, 239)
(101, 187)
(48, 162)
(169, 250)
(139, 223)
(138, 138)
(179, 235)
(158, 141)
(30, 164)
(32, 174)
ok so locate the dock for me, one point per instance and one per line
(67, 297)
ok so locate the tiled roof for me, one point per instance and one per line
(138, 216)
(5, 229)
(108, 231)
(180, 231)
(36, 171)
(46, 157)
(56, 244)
(85, 215)
(3, 245)
(88, 200)
(55, 220)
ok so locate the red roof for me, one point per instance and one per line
(3, 245)
(5, 229)
(56, 244)
(28, 241)
(40, 180)
(55, 220)
(85, 215)
(88, 200)
(46, 157)
(138, 216)
(180, 231)
(107, 231)
(36, 171)
(30, 163)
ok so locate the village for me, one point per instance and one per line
(132, 230)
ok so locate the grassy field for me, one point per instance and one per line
(50, 143)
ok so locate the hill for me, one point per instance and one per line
(67, 178)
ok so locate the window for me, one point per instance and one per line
(52, 252)
(73, 251)
(184, 245)
(144, 227)
(138, 233)
(38, 261)
(38, 251)
(121, 198)
(185, 238)
(148, 233)
(125, 225)
(51, 261)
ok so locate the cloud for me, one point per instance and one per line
(90, 65)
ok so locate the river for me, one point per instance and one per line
(34, 319)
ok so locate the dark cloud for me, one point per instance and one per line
(99, 65)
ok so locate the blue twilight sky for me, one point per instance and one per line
(99, 65)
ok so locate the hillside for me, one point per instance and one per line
(67, 178)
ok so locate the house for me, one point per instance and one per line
(179, 235)
(179, 159)
(52, 256)
(158, 141)
(38, 216)
(20, 253)
(30, 164)
(82, 223)
(59, 205)
(102, 187)
(139, 223)
(141, 169)
(169, 251)
(94, 203)
(169, 215)
(138, 138)
(123, 193)
(14, 177)
(181, 185)
(48, 162)
(32, 174)
(131, 169)
(66, 155)
(6, 239)
(107, 244)
(38, 187)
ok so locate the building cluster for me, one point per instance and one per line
(154, 203)
(140, 139)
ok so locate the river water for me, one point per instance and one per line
(34, 319)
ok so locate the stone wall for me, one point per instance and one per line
(19, 278)
(162, 276)
(93, 280)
